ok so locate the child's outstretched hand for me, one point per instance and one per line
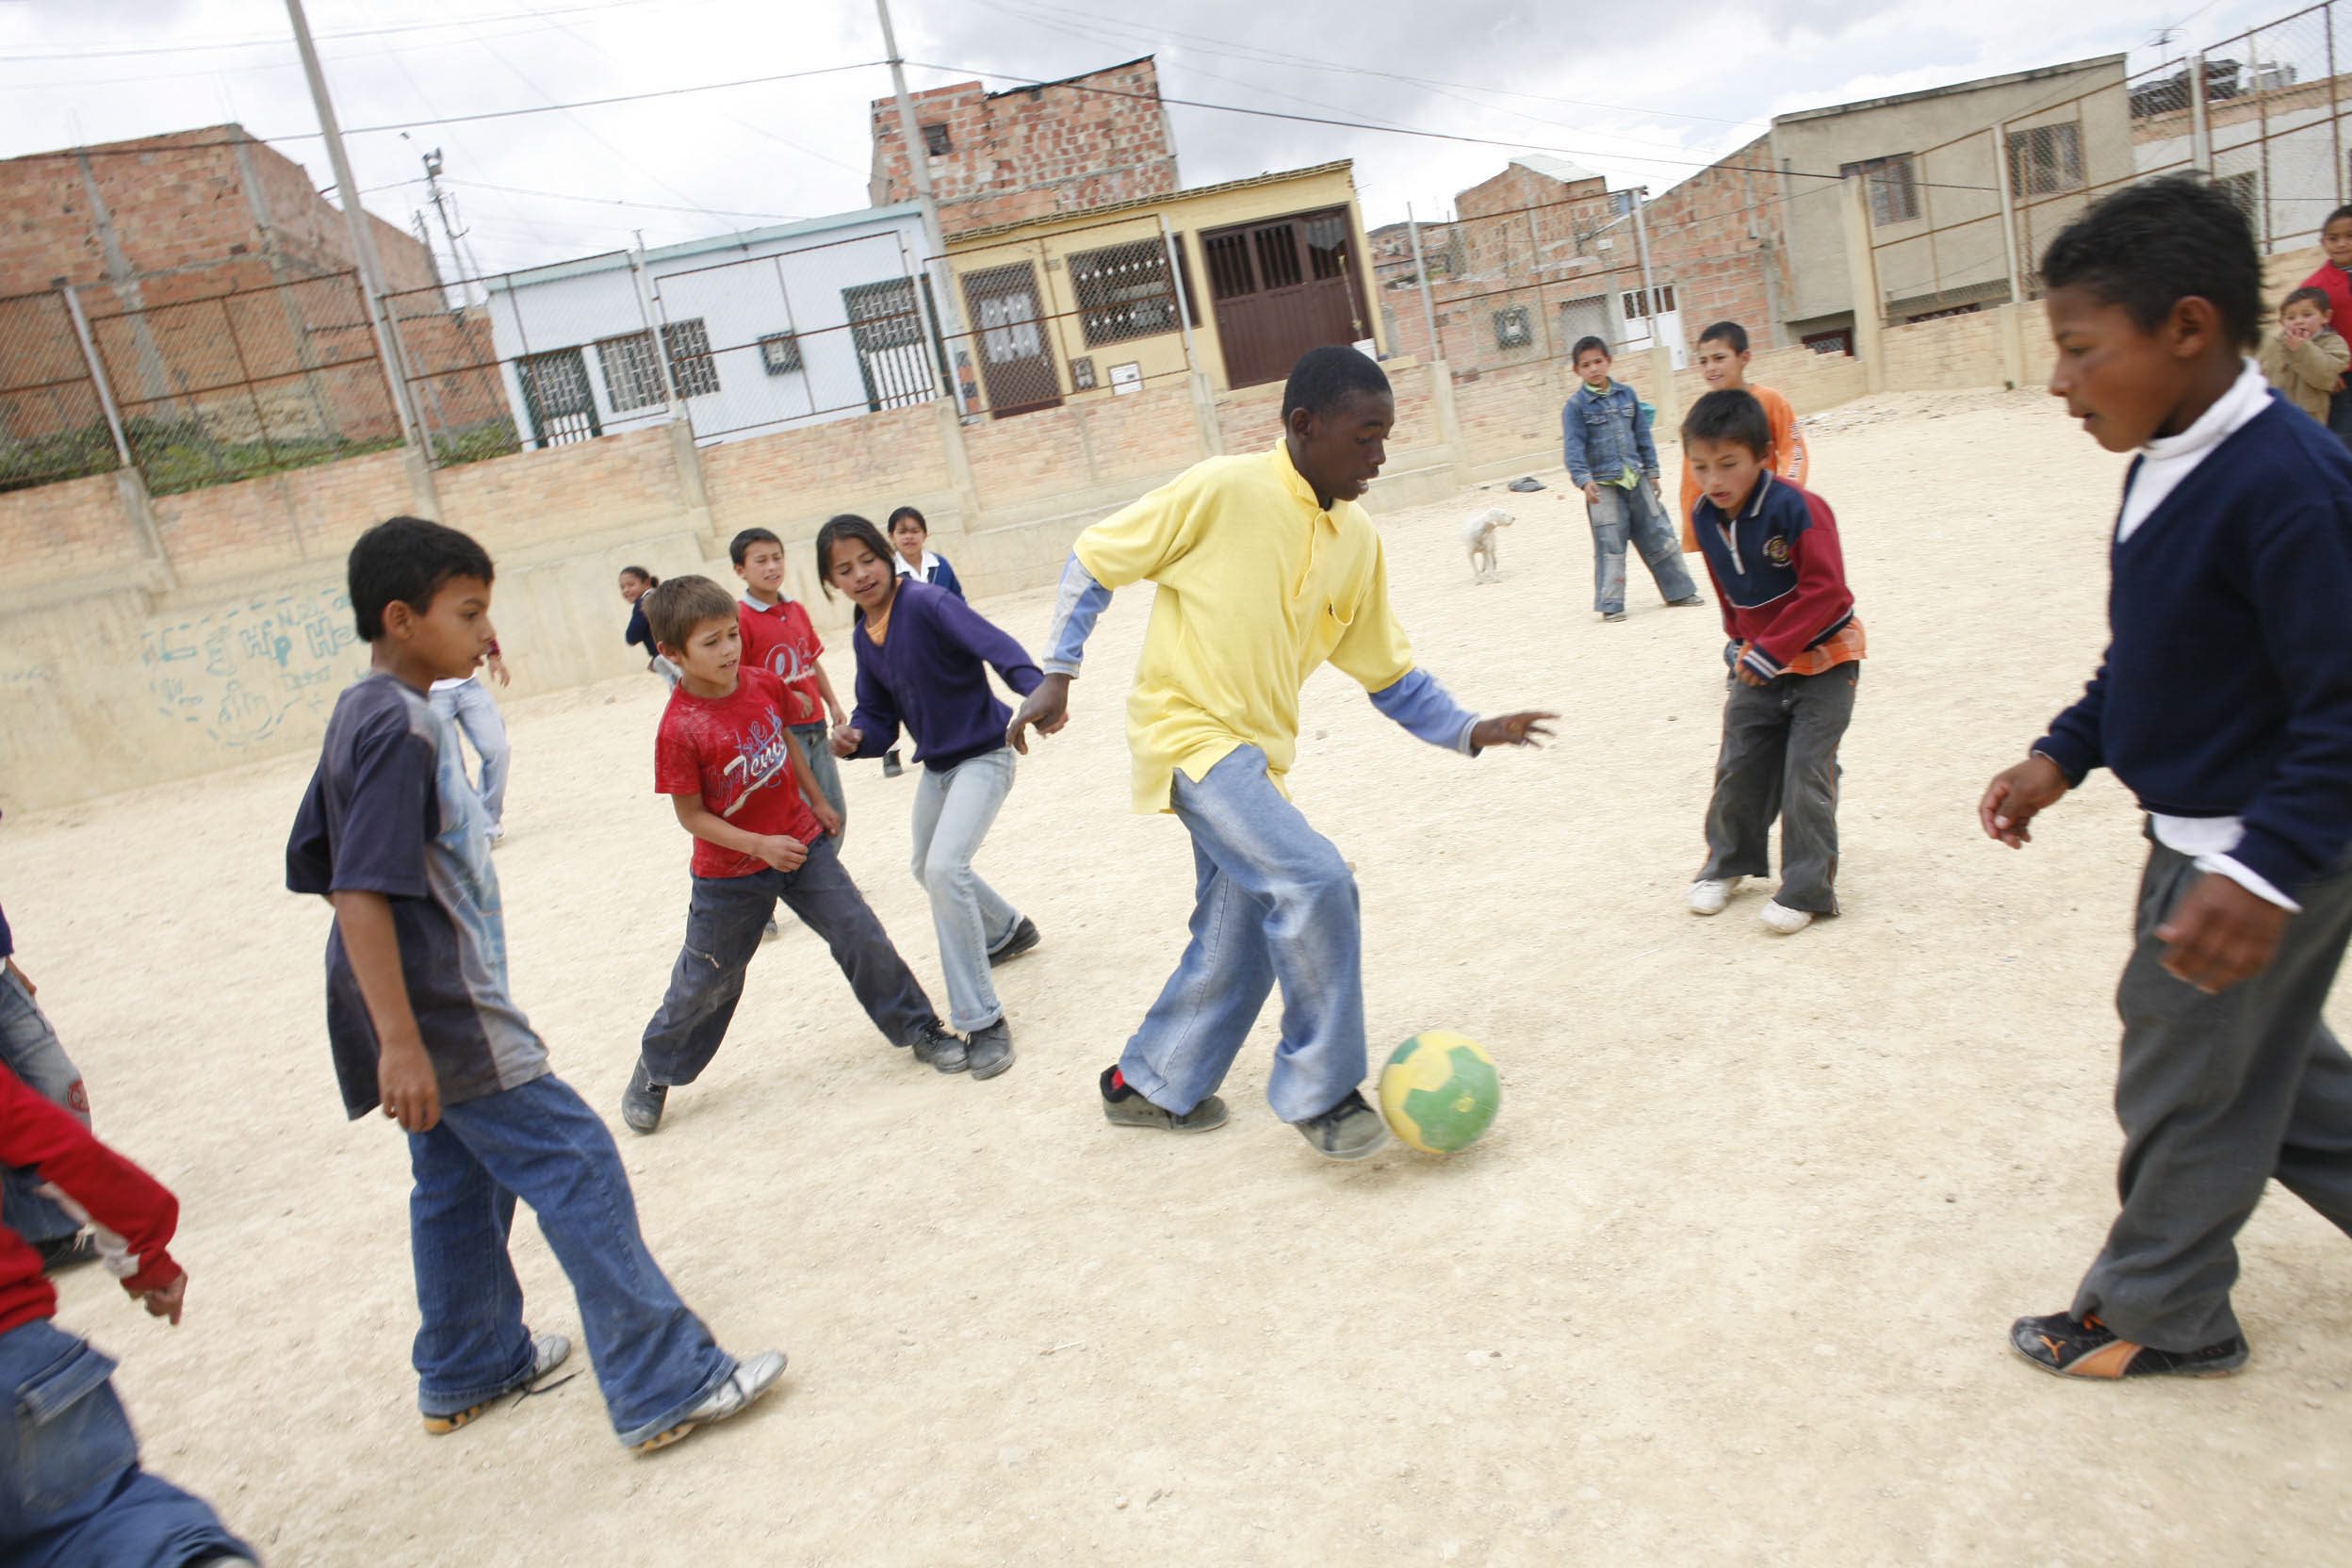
(783, 851)
(2219, 933)
(167, 1300)
(2018, 795)
(846, 740)
(1048, 708)
(1527, 728)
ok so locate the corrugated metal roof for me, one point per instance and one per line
(1562, 170)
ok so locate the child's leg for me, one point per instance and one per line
(1607, 518)
(2316, 1162)
(1748, 772)
(815, 741)
(725, 919)
(953, 813)
(72, 1493)
(539, 1141)
(472, 1344)
(2214, 1093)
(1820, 707)
(1188, 1040)
(1654, 536)
(31, 1049)
(1290, 894)
(829, 903)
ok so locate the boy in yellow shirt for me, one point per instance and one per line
(1266, 568)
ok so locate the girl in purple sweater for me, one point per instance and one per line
(922, 662)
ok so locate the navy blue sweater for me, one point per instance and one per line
(2227, 688)
(931, 674)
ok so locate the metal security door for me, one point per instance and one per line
(1015, 359)
(557, 396)
(886, 325)
(1281, 287)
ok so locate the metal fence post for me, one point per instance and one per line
(2005, 192)
(2335, 123)
(1204, 402)
(1862, 273)
(655, 335)
(1421, 272)
(97, 374)
(2200, 133)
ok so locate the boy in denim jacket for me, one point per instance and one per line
(1611, 458)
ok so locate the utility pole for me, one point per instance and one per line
(362, 243)
(919, 170)
(440, 206)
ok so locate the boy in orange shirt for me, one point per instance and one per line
(1724, 363)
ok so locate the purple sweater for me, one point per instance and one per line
(931, 676)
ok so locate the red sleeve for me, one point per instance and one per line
(1821, 594)
(110, 1189)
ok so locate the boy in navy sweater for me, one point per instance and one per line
(2225, 705)
(1796, 657)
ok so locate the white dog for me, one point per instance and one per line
(1486, 561)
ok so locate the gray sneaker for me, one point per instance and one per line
(547, 1352)
(988, 1051)
(1123, 1105)
(750, 1380)
(642, 1101)
(1348, 1130)
(939, 1049)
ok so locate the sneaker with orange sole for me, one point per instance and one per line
(2070, 1346)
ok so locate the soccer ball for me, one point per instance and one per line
(1439, 1092)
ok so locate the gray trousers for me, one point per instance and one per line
(1779, 758)
(2217, 1095)
(1634, 515)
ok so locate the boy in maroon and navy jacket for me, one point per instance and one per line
(1796, 657)
(77, 1494)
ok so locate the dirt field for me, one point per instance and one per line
(1728, 1282)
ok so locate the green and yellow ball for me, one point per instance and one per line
(1439, 1092)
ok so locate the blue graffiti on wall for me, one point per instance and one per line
(237, 673)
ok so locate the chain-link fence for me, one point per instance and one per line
(52, 421)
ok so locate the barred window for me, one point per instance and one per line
(689, 346)
(1123, 292)
(633, 379)
(1513, 329)
(1893, 188)
(2046, 160)
(934, 140)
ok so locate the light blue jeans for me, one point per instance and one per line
(471, 707)
(816, 741)
(1273, 902)
(954, 809)
(30, 1048)
(540, 1142)
(1634, 515)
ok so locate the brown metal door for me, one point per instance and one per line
(1014, 358)
(1281, 286)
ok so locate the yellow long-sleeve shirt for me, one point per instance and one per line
(1258, 587)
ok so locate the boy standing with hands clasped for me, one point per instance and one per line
(1610, 457)
(2225, 705)
(420, 1023)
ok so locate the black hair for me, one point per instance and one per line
(2308, 296)
(1730, 334)
(1730, 415)
(740, 545)
(2340, 212)
(1588, 341)
(1324, 378)
(642, 575)
(2147, 247)
(852, 526)
(920, 521)
(406, 560)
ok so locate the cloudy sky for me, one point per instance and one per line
(1641, 89)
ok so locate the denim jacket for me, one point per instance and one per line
(1603, 437)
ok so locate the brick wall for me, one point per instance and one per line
(1089, 141)
(1718, 238)
(537, 499)
(58, 532)
(1084, 443)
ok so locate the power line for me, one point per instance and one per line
(616, 201)
(100, 51)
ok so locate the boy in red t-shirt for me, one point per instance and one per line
(779, 637)
(740, 782)
(2334, 279)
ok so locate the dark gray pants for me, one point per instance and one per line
(2217, 1095)
(725, 921)
(1780, 760)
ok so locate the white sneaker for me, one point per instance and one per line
(1708, 897)
(750, 1380)
(1781, 918)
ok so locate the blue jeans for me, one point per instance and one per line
(725, 919)
(30, 1048)
(1634, 513)
(71, 1493)
(471, 707)
(954, 811)
(816, 739)
(1272, 901)
(540, 1142)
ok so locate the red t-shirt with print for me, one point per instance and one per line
(782, 640)
(731, 750)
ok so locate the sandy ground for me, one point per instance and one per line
(1727, 1283)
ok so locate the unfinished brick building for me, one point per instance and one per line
(1008, 158)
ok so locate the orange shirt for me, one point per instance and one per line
(1789, 459)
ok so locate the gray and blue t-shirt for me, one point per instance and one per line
(390, 811)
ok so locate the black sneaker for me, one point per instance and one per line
(1024, 937)
(1615, 616)
(2069, 1346)
(942, 1050)
(1687, 601)
(988, 1051)
(1123, 1105)
(1348, 1130)
(642, 1101)
(64, 1253)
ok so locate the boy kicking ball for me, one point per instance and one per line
(2225, 705)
